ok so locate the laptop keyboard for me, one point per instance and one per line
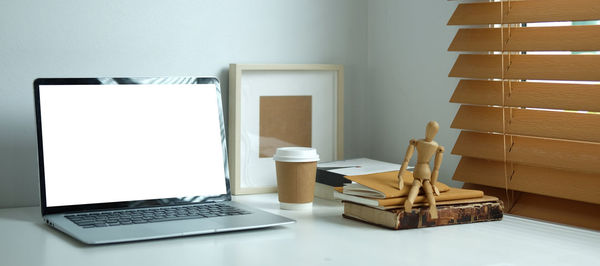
(153, 215)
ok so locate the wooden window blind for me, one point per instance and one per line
(529, 91)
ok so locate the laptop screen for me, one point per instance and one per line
(143, 140)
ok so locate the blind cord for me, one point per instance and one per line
(509, 202)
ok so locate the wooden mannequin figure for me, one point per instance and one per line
(423, 176)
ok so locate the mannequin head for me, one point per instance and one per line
(431, 130)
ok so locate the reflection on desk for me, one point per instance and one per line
(320, 237)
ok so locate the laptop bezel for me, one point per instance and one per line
(136, 203)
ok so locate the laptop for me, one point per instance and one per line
(126, 159)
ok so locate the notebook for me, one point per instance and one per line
(126, 159)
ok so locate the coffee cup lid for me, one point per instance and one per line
(296, 154)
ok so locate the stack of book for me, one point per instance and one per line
(376, 199)
(332, 175)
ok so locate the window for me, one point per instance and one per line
(530, 97)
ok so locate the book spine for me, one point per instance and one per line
(448, 215)
(330, 178)
(419, 217)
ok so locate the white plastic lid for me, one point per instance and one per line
(296, 154)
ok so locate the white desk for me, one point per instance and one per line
(320, 237)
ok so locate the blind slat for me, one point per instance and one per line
(525, 11)
(566, 155)
(537, 123)
(579, 97)
(537, 67)
(537, 180)
(548, 208)
(572, 38)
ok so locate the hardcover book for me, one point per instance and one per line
(334, 174)
(380, 190)
(491, 209)
(326, 177)
(382, 185)
(391, 203)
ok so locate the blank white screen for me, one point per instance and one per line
(109, 143)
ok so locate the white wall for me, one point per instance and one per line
(408, 82)
(394, 53)
(71, 38)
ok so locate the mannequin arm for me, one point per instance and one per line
(439, 156)
(407, 157)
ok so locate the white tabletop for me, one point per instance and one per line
(320, 237)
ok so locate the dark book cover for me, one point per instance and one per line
(324, 176)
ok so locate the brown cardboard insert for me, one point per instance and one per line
(285, 121)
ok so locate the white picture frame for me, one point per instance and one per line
(251, 174)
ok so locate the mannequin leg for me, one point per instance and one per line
(412, 194)
(429, 193)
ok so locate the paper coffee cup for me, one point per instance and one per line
(296, 169)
